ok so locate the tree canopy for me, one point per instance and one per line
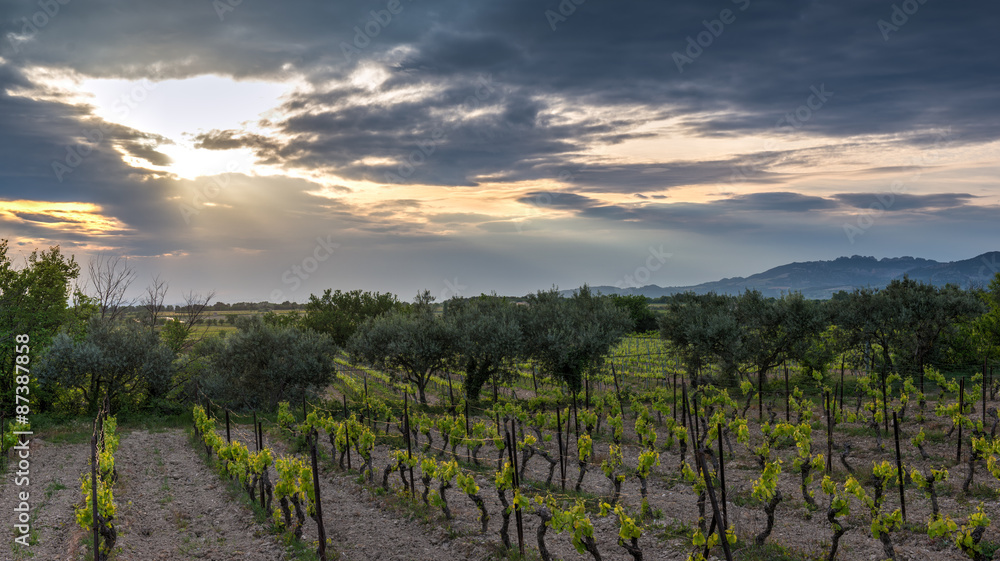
(415, 343)
(262, 364)
(488, 339)
(34, 302)
(122, 360)
(338, 314)
(566, 336)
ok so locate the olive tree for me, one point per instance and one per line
(986, 328)
(567, 336)
(637, 306)
(416, 343)
(339, 314)
(488, 339)
(702, 329)
(119, 359)
(262, 364)
(904, 321)
(925, 312)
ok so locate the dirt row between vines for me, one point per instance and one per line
(171, 506)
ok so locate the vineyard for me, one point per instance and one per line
(863, 427)
(640, 464)
(628, 471)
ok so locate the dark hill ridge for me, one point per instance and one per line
(821, 279)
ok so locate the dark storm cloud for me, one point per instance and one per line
(57, 152)
(628, 178)
(553, 98)
(906, 202)
(760, 72)
(61, 150)
(784, 202)
(43, 218)
(763, 210)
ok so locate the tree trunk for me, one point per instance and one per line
(805, 469)
(769, 510)
(421, 385)
(504, 534)
(426, 479)
(545, 515)
(632, 549)
(583, 471)
(591, 546)
(933, 493)
(838, 531)
(389, 468)
(484, 517)
(445, 485)
(887, 548)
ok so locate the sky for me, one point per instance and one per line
(269, 151)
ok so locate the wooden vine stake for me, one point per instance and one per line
(760, 395)
(702, 465)
(961, 411)
(830, 403)
(320, 529)
(468, 453)
(787, 406)
(841, 388)
(515, 480)
(409, 452)
(369, 411)
(722, 479)
(984, 392)
(885, 401)
(684, 416)
(562, 457)
(451, 397)
(899, 465)
(259, 437)
(93, 491)
(576, 419)
(618, 391)
(674, 409)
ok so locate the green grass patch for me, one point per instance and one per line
(982, 491)
(989, 548)
(936, 436)
(672, 530)
(856, 430)
(498, 553)
(70, 434)
(744, 499)
(52, 488)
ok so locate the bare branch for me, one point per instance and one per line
(152, 302)
(194, 308)
(110, 278)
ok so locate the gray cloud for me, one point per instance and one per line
(906, 202)
(556, 97)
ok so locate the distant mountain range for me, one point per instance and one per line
(822, 279)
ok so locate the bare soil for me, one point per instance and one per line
(171, 506)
